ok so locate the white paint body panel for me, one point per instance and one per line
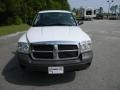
(55, 33)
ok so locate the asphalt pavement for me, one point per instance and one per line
(103, 74)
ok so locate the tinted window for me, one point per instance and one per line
(54, 19)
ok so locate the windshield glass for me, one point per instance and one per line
(54, 19)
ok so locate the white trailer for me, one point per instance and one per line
(89, 13)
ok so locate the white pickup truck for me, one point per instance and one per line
(55, 44)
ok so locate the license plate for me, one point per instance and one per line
(55, 70)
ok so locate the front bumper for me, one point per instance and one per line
(42, 65)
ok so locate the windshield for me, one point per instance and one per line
(54, 19)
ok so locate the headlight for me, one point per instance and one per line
(23, 47)
(86, 46)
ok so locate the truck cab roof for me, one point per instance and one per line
(49, 11)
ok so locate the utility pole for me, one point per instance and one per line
(109, 5)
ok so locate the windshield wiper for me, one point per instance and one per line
(54, 24)
(59, 24)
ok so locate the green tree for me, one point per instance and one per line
(18, 11)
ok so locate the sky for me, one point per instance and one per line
(92, 3)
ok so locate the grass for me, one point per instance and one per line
(5, 30)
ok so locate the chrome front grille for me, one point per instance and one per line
(68, 54)
(54, 51)
(67, 47)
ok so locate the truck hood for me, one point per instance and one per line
(56, 33)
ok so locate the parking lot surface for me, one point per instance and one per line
(103, 74)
